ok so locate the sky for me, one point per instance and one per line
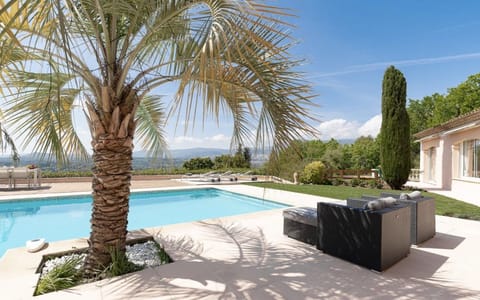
(347, 46)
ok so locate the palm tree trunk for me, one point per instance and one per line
(112, 158)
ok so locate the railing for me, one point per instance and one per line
(279, 180)
(354, 173)
(414, 175)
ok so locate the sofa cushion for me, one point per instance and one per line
(380, 203)
(410, 196)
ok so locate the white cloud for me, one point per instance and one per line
(220, 138)
(338, 129)
(371, 127)
(343, 129)
(185, 142)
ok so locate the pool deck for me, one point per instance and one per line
(248, 257)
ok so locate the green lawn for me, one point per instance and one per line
(445, 206)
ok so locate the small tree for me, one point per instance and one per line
(314, 173)
(222, 161)
(198, 163)
(395, 130)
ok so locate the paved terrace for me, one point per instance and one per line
(247, 257)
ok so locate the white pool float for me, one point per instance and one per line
(35, 245)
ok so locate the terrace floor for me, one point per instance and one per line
(247, 257)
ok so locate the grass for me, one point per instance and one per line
(444, 206)
(120, 264)
(59, 278)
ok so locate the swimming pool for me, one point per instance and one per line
(64, 218)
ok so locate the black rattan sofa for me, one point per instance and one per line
(300, 223)
(373, 239)
(422, 210)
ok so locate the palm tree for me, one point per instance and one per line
(111, 57)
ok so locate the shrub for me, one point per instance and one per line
(338, 181)
(61, 277)
(198, 163)
(163, 255)
(372, 184)
(363, 183)
(120, 264)
(313, 173)
(355, 182)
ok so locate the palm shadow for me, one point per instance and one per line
(248, 265)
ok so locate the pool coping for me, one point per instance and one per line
(23, 262)
(20, 198)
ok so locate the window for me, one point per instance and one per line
(470, 159)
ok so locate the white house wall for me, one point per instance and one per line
(446, 168)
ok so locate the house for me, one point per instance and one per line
(450, 154)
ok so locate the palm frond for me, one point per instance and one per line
(244, 66)
(6, 142)
(150, 119)
(42, 112)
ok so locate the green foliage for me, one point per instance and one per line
(223, 161)
(120, 264)
(60, 174)
(436, 109)
(337, 181)
(61, 277)
(355, 182)
(460, 100)
(163, 255)
(198, 163)
(335, 155)
(288, 161)
(420, 113)
(395, 130)
(314, 173)
(375, 184)
(300, 153)
(333, 158)
(241, 159)
(364, 153)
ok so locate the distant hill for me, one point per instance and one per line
(188, 153)
(140, 159)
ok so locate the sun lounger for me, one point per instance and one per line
(247, 176)
(21, 173)
(5, 174)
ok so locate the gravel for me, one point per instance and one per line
(144, 254)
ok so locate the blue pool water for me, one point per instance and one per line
(69, 217)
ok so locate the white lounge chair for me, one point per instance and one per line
(229, 176)
(247, 176)
(211, 176)
(5, 173)
(21, 173)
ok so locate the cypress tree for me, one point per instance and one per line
(395, 130)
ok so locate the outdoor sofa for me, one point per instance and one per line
(422, 225)
(300, 223)
(375, 239)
